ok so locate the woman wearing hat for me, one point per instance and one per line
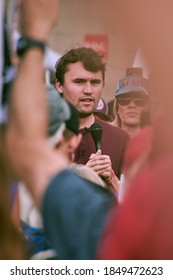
(131, 107)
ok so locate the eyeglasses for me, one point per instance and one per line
(139, 101)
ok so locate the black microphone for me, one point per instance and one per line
(96, 132)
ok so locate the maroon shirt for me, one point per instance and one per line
(113, 143)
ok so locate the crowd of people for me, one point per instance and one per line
(62, 164)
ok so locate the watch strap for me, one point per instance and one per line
(26, 43)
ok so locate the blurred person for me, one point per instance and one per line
(143, 228)
(11, 242)
(63, 134)
(136, 156)
(131, 107)
(80, 78)
(146, 209)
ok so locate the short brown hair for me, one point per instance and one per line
(90, 59)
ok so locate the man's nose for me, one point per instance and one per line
(88, 88)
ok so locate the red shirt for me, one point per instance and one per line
(143, 226)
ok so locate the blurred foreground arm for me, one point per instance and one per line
(27, 146)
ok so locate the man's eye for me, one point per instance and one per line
(95, 82)
(79, 81)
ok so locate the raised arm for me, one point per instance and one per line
(28, 151)
(37, 19)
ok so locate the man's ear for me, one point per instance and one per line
(59, 87)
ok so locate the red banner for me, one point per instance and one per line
(99, 43)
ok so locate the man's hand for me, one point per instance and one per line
(102, 165)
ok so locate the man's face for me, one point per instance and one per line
(81, 88)
(130, 108)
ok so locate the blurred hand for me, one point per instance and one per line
(38, 17)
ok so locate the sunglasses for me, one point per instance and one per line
(139, 101)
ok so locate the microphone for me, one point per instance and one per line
(96, 132)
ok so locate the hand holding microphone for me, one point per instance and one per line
(98, 162)
(101, 164)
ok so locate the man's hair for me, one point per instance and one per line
(90, 59)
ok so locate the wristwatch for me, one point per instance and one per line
(26, 43)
